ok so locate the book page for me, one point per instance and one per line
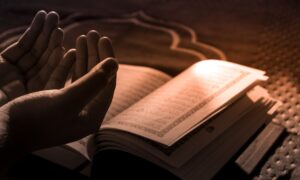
(133, 83)
(183, 103)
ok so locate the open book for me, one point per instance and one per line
(177, 123)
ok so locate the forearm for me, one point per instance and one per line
(4, 159)
(8, 154)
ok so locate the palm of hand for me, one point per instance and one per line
(27, 65)
(12, 79)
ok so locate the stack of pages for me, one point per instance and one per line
(190, 125)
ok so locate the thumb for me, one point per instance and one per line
(83, 90)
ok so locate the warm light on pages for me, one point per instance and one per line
(208, 69)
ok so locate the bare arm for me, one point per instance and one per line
(53, 117)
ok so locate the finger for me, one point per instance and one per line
(8, 73)
(81, 57)
(92, 40)
(56, 40)
(88, 86)
(52, 63)
(3, 98)
(61, 72)
(41, 43)
(96, 110)
(39, 81)
(105, 47)
(26, 41)
(14, 89)
(9, 77)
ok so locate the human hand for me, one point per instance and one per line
(90, 50)
(54, 117)
(28, 65)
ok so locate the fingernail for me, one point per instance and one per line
(110, 66)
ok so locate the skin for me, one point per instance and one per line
(29, 64)
(38, 111)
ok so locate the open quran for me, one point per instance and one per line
(190, 124)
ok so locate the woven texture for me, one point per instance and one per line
(279, 55)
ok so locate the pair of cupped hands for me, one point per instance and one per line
(37, 109)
